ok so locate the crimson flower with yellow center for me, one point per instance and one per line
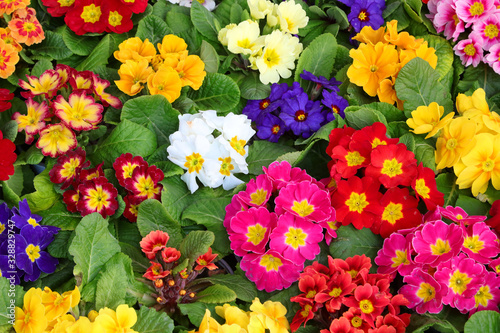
(144, 182)
(97, 195)
(87, 16)
(68, 167)
(425, 187)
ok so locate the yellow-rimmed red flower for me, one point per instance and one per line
(31, 318)
(144, 182)
(191, 71)
(8, 59)
(97, 195)
(427, 119)
(165, 82)
(172, 46)
(372, 64)
(58, 304)
(26, 31)
(133, 76)
(8, 39)
(135, 49)
(47, 84)
(7, 7)
(33, 121)
(80, 112)
(56, 140)
(455, 141)
(120, 321)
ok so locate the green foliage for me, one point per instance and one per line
(245, 290)
(45, 196)
(153, 216)
(210, 57)
(151, 321)
(262, 153)
(59, 216)
(218, 92)
(216, 294)
(9, 299)
(80, 45)
(99, 55)
(113, 282)
(204, 21)
(152, 28)
(484, 322)
(196, 311)
(52, 46)
(252, 88)
(195, 244)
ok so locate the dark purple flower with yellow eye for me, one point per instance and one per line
(270, 128)
(5, 214)
(366, 13)
(335, 104)
(256, 109)
(8, 269)
(300, 114)
(23, 217)
(30, 254)
(321, 81)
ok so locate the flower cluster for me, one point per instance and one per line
(23, 237)
(212, 160)
(273, 54)
(172, 286)
(7, 157)
(290, 108)
(350, 299)
(23, 28)
(365, 159)
(269, 316)
(165, 72)
(59, 102)
(476, 23)
(380, 56)
(445, 263)
(469, 143)
(365, 13)
(96, 16)
(275, 245)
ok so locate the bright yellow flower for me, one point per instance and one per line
(31, 318)
(208, 324)
(133, 76)
(482, 164)
(386, 92)
(476, 101)
(56, 140)
(191, 70)
(82, 325)
(171, 45)
(270, 315)
(233, 315)
(372, 64)
(423, 51)
(492, 122)
(56, 304)
(165, 82)
(456, 140)
(234, 328)
(426, 119)
(92, 315)
(402, 39)
(135, 49)
(62, 324)
(369, 36)
(120, 321)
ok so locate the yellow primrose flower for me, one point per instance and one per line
(386, 92)
(426, 119)
(57, 304)
(82, 325)
(234, 328)
(120, 321)
(476, 101)
(455, 141)
(423, 51)
(31, 318)
(62, 324)
(260, 8)
(233, 315)
(208, 324)
(222, 36)
(133, 76)
(291, 16)
(369, 36)
(92, 315)
(245, 38)
(270, 315)
(135, 49)
(492, 122)
(56, 139)
(171, 46)
(165, 82)
(372, 64)
(401, 39)
(481, 164)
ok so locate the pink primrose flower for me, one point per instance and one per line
(447, 21)
(432, 6)
(495, 266)
(258, 191)
(424, 293)
(330, 225)
(488, 30)
(232, 209)
(457, 214)
(282, 173)
(395, 256)
(493, 58)
(488, 294)
(470, 50)
(472, 11)
(481, 243)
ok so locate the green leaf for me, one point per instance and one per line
(195, 244)
(319, 57)
(99, 55)
(113, 282)
(262, 153)
(59, 216)
(9, 130)
(31, 156)
(15, 182)
(175, 197)
(472, 206)
(252, 88)
(127, 137)
(139, 261)
(351, 242)
(418, 84)
(216, 294)
(360, 117)
(444, 52)
(209, 57)
(484, 322)
(196, 311)
(152, 28)
(204, 21)
(244, 289)
(92, 246)
(446, 184)
(151, 321)
(153, 112)
(45, 196)
(424, 153)
(52, 46)
(153, 216)
(59, 246)
(421, 324)
(10, 297)
(40, 67)
(80, 45)
(218, 92)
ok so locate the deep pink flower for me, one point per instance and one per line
(470, 51)
(424, 292)
(232, 209)
(447, 21)
(472, 11)
(457, 214)
(395, 256)
(495, 265)
(296, 238)
(488, 30)
(493, 58)
(258, 191)
(270, 271)
(330, 225)
(481, 243)
(282, 173)
(437, 242)
(487, 296)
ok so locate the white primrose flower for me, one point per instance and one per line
(245, 38)
(291, 17)
(236, 130)
(208, 4)
(260, 8)
(221, 167)
(194, 124)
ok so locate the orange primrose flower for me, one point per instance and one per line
(172, 46)
(8, 59)
(25, 31)
(8, 39)
(165, 82)
(8, 6)
(191, 70)
(133, 76)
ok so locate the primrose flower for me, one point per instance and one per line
(154, 242)
(33, 122)
(8, 7)
(135, 49)
(166, 82)
(205, 261)
(26, 30)
(68, 167)
(260, 8)
(394, 256)
(86, 17)
(5, 97)
(291, 16)
(334, 102)
(97, 195)
(98, 87)
(144, 182)
(133, 76)
(22, 217)
(47, 84)
(245, 38)
(257, 109)
(300, 114)
(270, 315)
(80, 112)
(282, 173)
(392, 165)
(172, 46)
(458, 215)
(425, 187)
(447, 21)
(488, 31)
(475, 102)
(258, 191)
(366, 13)
(455, 141)
(58, 304)
(493, 58)
(424, 292)
(7, 159)
(8, 59)
(427, 119)
(56, 139)
(470, 50)
(119, 18)
(31, 318)
(191, 71)
(473, 11)
(368, 299)
(488, 294)
(481, 243)
(124, 166)
(120, 321)
(155, 271)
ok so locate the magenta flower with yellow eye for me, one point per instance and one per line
(80, 112)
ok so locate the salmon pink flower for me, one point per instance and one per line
(470, 51)
(250, 230)
(437, 242)
(304, 199)
(395, 255)
(7, 158)
(131, 207)
(154, 242)
(341, 325)
(27, 30)
(47, 85)
(56, 140)
(80, 112)
(8, 7)
(205, 261)
(369, 300)
(458, 215)
(8, 59)
(144, 182)
(282, 173)
(68, 167)
(392, 165)
(155, 271)
(481, 243)
(425, 187)
(258, 191)
(296, 238)
(424, 292)
(125, 164)
(488, 294)
(270, 271)
(97, 195)
(170, 254)
(33, 122)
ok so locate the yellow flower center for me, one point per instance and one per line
(33, 252)
(376, 142)
(66, 3)
(115, 18)
(456, 19)
(270, 262)
(264, 104)
(335, 292)
(33, 222)
(68, 169)
(422, 189)
(238, 145)
(451, 144)
(353, 273)
(357, 202)
(491, 31)
(194, 162)
(59, 299)
(91, 13)
(373, 68)
(311, 294)
(392, 213)
(476, 9)
(302, 208)
(202, 262)
(295, 237)
(98, 198)
(128, 170)
(426, 292)
(401, 258)
(356, 321)
(304, 313)
(256, 234)
(459, 281)
(366, 306)
(473, 243)
(271, 58)
(244, 43)
(276, 129)
(27, 317)
(470, 50)
(226, 166)
(363, 16)
(482, 296)
(488, 165)
(29, 27)
(258, 197)
(441, 247)
(392, 168)
(354, 158)
(146, 187)
(2, 228)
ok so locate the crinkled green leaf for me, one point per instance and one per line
(195, 244)
(59, 246)
(9, 130)
(204, 21)
(262, 153)
(153, 216)
(99, 55)
(151, 321)
(424, 153)
(216, 294)
(80, 45)
(218, 92)
(31, 156)
(360, 117)
(52, 46)
(40, 67)
(484, 322)
(59, 216)
(210, 57)
(446, 184)
(175, 197)
(244, 289)
(472, 206)
(152, 28)
(252, 88)
(45, 196)
(196, 311)
(444, 52)
(319, 57)
(113, 282)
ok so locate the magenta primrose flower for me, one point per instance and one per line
(470, 50)
(472, 11)
(457, 214)
(395, 256)
(437, 242)
(282, 174)
(232, 209)
(424, 293)
(488, 30)
(487, 296)
(493, 58)
(481, 243)
(258, 191)
(447, 21)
